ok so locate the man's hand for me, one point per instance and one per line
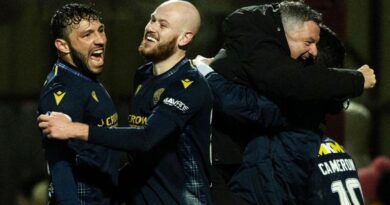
(59, 126)
(369, 76)
(202, 64)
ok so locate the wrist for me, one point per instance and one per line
(80, 131)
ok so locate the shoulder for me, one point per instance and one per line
(188, 87)
(60, 83)
(251, 18)
(189, 80)
(143, 71)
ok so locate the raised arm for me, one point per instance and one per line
(270, 71)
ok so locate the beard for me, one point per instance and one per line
(160, 52)
(80, 61)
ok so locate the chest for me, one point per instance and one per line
(99, 108)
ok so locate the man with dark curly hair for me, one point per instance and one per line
(72, 87)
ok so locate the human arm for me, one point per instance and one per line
(244, 103)
(58, 158)
(270, 71)
(257, 54)
(122, 138)
(57, 153)
(239, 101)
(176, 107)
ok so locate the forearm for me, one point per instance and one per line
(244, 103)
(79, 131)
(276, 74)
(134, 139)
(306, 83)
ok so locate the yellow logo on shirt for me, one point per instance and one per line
(136, 120)
(111, 121)
(56, 70)
(186, 82)
(330, 148)
(138, 88)
(58, 96)
(157, 95)
(94, 96)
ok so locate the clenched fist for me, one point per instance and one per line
(369, 76)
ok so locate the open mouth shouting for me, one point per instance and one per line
(97, 56)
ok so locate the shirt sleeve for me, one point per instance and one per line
(143, 139)
(169, 116)
(57, 153)
(271, 71)
(244, 103)
(268, 68)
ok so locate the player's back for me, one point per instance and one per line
(334, 179)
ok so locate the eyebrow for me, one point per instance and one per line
(310, 39)
(159, 20)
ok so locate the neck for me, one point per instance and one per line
(82, 70)
(165, 65)
(68, 59)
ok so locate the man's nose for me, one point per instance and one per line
(151, 27)
(313, 50)
(100, 38)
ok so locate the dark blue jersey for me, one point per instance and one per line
(74, 165)
(334, 179)
(169, 133)
(276, 166)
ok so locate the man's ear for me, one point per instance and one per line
(62, 45)
(185, 39)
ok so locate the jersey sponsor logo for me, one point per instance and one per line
(186, 82)
(136, 120)
(138, 88)
(58, 96)
(330, 148)
(176, 103)
(157, 95)
(336, 165)
(94, 96)
(111, 121)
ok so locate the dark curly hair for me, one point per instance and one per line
(71, 14)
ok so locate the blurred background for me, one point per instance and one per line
(28, 53)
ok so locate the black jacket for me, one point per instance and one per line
(256, 54)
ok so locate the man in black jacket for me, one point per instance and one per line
(266, 47)
(280, 164)
(270, 48)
